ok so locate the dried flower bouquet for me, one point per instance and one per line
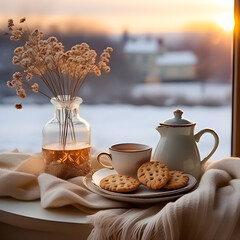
(63, 72)
(48, 60)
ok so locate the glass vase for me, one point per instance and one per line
(66, 145)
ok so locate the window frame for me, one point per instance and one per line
(236, 83)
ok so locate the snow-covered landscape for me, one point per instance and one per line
(187, 93)
(112, 124)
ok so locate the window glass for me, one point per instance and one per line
(167, 55)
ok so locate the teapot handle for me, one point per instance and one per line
(197, 137)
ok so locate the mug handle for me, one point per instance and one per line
(216, 139)
(99, 159)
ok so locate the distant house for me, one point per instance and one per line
(177, 66)
(152, 62)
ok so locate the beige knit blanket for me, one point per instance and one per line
(211, 212)
(22, 177)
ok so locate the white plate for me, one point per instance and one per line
(92, 187)
(142, 191)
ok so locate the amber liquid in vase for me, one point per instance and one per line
(72, 161)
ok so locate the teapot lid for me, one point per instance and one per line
(178, 120)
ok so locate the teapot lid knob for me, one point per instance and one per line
(177, 120)
(178, 113)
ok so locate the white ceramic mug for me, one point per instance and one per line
(126, 158)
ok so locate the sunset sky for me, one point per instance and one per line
(113, 16)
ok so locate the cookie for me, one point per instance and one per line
(177, 179)
(153, 174)
(119, 183)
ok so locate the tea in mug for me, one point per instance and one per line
(126, 148)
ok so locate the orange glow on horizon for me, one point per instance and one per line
(63, 24)
(113, 17)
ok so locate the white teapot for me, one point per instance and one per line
(178, 148)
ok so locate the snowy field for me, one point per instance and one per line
(194, 93)
(112, 124)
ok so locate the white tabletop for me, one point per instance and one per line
(18, 218)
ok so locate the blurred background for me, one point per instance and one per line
(167, 55)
